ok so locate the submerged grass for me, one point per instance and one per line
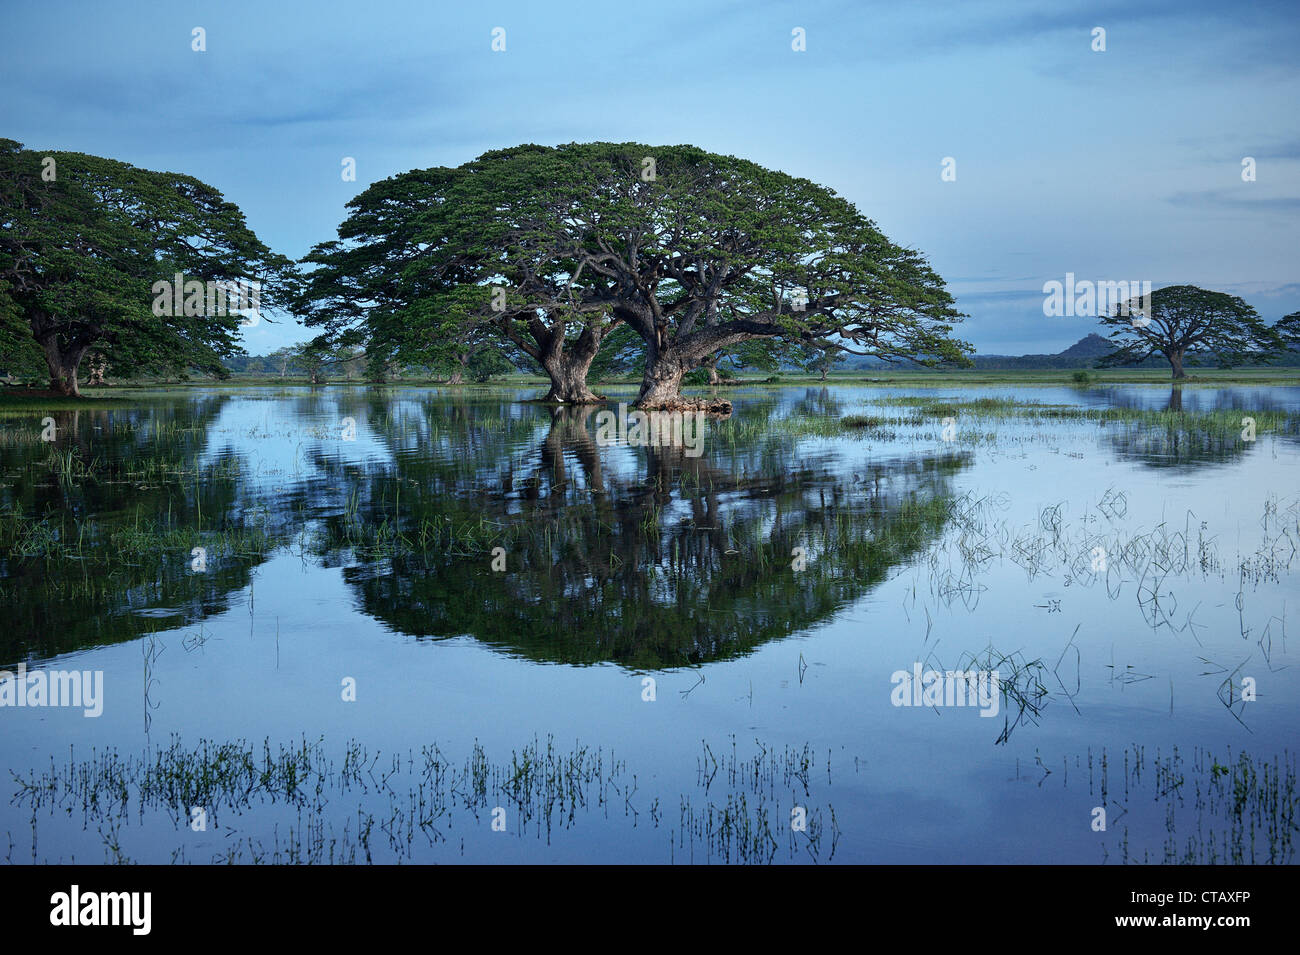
(991, 408)
(1246, 809)
(301, 803)
(62, 536)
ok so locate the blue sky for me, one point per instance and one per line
(1122, 164)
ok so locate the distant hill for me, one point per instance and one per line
(1089, 348)
(1082, 354)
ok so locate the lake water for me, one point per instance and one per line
(451, 625)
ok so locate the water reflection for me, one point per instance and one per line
(647, 557)
(100, 527)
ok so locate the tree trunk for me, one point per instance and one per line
(661, 384)
(1176, 362)
(823, 372)
(565, 363)
(63, 367)
(461, 366)
(711, 364)
(568, 374)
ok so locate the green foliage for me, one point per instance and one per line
(487, 363)
(20, 356)
(1186, 322)
(82, 249)
(552, 249)
(1287, 330)
(822, 361)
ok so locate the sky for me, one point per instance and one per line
(1117, 164)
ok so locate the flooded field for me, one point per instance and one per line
(847, 624)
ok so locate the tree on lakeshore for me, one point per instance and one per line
(429, 262)
(556, 248)
(699, 253)
(84, 242)
(1183, 321)
(823, 361)
(715, 251)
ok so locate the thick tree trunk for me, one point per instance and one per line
(63, 367)
(457, 377)
(566, 363)
(669, 359)
(568, 374)
(662, 384)
(1176, 362)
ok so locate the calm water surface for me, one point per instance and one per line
(685, 657)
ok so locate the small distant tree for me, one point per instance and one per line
(763, 354)
(280, 360)
(823, 360)
(1184, 322)
(380, 367)
(313, 358)
(97, 365)
(352, 362)
(488, 363)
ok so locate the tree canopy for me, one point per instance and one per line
(1182, 321)
(554, 248)
(87, 244)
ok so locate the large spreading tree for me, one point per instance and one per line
(83, 243)
(430, 261)
(710, 252)
(1183, 321)
(555, 248)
